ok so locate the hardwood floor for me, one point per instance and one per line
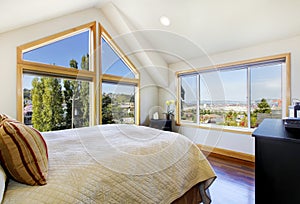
(235, 181)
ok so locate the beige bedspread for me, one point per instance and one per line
(116, 164)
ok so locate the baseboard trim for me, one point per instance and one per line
(227, 153)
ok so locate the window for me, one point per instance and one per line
(118, 103)
(52, 103)
(61, 52)
(111, 62)
(120, 94)
(266, 92)
(57, 81)
(240, 95)
(225, 102)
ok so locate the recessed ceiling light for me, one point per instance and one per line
(164, 20)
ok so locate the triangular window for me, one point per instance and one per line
(112, 63)
(60, 52)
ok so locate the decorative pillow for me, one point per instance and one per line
(23, 152)
(3, 117)
(2, 183)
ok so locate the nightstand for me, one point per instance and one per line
(161, 124)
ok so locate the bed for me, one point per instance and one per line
(117, 164)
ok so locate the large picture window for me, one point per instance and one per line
(58, 84)
(238, 95)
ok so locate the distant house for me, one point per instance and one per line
(28, 114)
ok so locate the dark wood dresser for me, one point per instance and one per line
(161, 124)
(277, 163)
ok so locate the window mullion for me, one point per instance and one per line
(179, 108)
(198, 100)
(249, 97)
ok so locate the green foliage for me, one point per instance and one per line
(117, 108)
(85, 62)
(263, 107)
(68, 94)
(57, 100)
(47, 104)
(107, 117)
(85, 108)
(73, 64)
(234, 118)
(37, 104)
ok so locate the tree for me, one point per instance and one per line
(48, 99)
(84, 93)
(262, 111)
(263, 107)
(68, 94)
(73, 64)
(85, 62)
(47, 104)
(56, 103)
(107, 117)
(37, 103)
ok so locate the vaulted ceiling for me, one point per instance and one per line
(203, 26)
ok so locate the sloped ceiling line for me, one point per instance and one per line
(152, 62)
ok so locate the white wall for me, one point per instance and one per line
(233, 141)
(9, 41)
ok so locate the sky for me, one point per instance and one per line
(232, 84)
(61, 52)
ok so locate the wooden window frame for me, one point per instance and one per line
(118, 79)
(93, 75)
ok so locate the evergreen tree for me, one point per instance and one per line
(73, 64)
(47, 104)
(57, 101)
(68, 94)
(37, 104)
(84, 97)
(107, 117)
(263, 107)
(84, 93)
(46, 112)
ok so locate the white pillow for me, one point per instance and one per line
(2, 183)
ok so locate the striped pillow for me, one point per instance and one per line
(23, 152)
(3, 117)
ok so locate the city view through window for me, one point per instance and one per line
(240, 97)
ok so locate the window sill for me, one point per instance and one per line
(237, 130)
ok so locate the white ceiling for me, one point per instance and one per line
(197, 26)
